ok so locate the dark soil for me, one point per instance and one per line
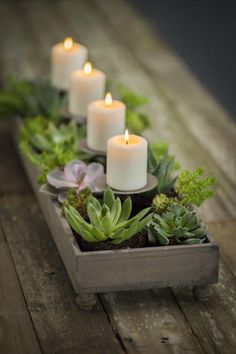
(137, 241)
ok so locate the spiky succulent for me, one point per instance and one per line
(177, 223)
(78, 200)
(162, 168)
(161, 202)
(109, 222)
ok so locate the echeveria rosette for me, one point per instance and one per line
(76, 174)
(179, 223)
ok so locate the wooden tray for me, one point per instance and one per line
(125, 269)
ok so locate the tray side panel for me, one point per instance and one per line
(152, 268)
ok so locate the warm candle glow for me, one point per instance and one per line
(68, 43)
(88, 68)
(126, 137)
(108, 99)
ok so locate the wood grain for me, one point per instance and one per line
(12, 176)
(215, 321)
(17, 335)
(150, 322)
(224, 234)
(183, 114)
(60, 326)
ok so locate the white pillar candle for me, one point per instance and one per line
(106, 118)
(86, 85)
(65, 58)
(127, 162)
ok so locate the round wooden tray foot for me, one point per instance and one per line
(86, 301)
(201, 292)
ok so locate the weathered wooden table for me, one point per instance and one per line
(38, 312)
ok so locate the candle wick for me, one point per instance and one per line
(126, 142)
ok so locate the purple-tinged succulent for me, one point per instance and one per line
(76, 174)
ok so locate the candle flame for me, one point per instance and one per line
(68, 43)
(126, 137)
(108, 99)
(88, 68)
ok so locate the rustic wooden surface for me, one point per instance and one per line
(38, 313)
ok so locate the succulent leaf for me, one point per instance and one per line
(176, 222)
(125, 210)
(108, 198)
(107, 222)
(162, 166)
(116, 210)
(163, 240)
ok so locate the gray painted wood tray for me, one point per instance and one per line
(125, 269)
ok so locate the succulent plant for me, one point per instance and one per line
(78, 200)
(161, 148)
(50, 145)
(178, 223)
(193, 188)
(161, 202)
(162, 168)
(109, 221)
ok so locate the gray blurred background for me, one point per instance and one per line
(203, 33)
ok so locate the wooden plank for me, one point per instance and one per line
(214, 322)
(116, 71)
(224, 233)
(17, 335)
(150, 322)
(146, 269)
(59, 324)
(12, 176)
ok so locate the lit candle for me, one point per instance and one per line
(127, 162)
(86, 85)
(106, 118)
(65, 58)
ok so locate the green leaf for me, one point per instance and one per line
(87, 236)
(106, 224)
(93, 215)
(98, 234)
(193, 188)
(141, 224)
(189, 241)
(118, 235)
(105, 210)
(108, 197)
(125, 210)
(116, 211)
(163, 240)
(95, 203)
(152, 236)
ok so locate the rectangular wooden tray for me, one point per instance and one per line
(125, 269)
